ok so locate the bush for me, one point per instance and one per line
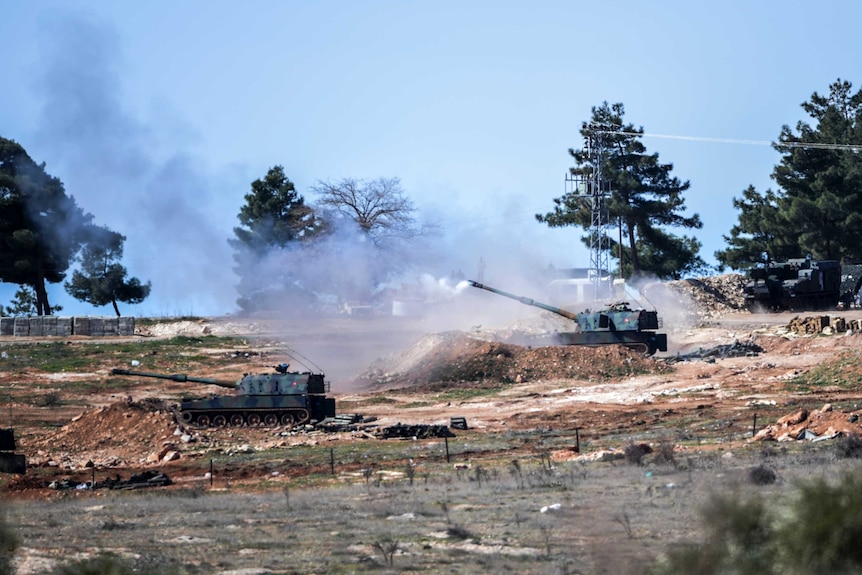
(635, 452)
(738, 540)
(110, 564)
(849, 447)
(9, 542)
(762, 475)
(824, 526)
(817, 531)
(664, 455)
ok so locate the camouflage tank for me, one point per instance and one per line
(271, 399)
(616, 325)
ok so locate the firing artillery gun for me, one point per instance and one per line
(270, 399)
(616, 325)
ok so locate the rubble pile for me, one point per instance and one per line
(714, 296)
(823, 423)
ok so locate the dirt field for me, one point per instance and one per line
(731, 383)
(723, 365)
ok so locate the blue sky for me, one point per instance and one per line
(158, 115)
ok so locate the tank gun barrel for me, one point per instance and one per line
(526, 300)
(180, 377)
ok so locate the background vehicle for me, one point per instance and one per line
(795, 284)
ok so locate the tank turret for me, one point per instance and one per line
(795, 284)
(270, 399)
(616, 325)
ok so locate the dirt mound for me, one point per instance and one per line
(441, 360)
(121, 434)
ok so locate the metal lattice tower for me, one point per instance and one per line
(594, 193)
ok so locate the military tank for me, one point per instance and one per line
(270, 399)
(616, 325)
(795, 284)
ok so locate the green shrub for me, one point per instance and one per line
(816, 531)
(738, 540)
(110, 564)
(849, 447)
(9, 542)
(824, 527)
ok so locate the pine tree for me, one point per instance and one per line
(102, 278)
(817, 209)
(645, 200)
(273, 218)
(41, 227)
(820, 175)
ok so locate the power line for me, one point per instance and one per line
(817, 145)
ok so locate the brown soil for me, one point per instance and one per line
(725, 365)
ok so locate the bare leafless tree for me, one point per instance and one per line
(379, 207)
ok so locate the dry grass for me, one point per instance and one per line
(528, 516)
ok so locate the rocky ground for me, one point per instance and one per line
(725, 367)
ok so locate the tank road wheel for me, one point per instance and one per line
(236, 420)
(640, 348)
(303, 416)
(253, 419)
(287, 419)
(270, 420)
(219, 420)
(186, 417)
(203, 420)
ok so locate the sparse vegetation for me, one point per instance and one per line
(843, 372)
(588, 489)
(9, 542)
(849, 446)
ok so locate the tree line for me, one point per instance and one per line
(815, 210)
(43, 232)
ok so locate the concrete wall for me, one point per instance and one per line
(48, 326)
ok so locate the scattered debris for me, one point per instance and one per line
(137, 481)
(458, 423)
(417, 431)
(735, 349)
(818, 425)
(344, 422)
